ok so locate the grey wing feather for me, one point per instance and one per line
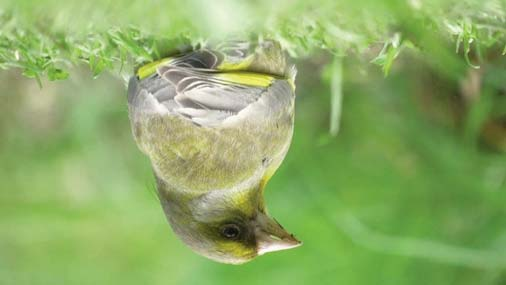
(207, 101)
(192, 94)
(211, 94)
(203, 58)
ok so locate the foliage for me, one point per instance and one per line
(48, 38)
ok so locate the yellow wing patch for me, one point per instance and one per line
(150, 68)
(247, 78)
(238, 77)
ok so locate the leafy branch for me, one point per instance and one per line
(46, 46)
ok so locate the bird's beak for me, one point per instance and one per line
(271, 236)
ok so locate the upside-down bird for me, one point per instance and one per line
(216, 123)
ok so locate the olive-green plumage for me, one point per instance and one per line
(216, 124)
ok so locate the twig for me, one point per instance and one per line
(419, 248)
(336, 99)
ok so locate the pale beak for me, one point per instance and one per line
(271, 236)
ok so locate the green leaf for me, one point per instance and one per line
(57, 74)
(390, 51)
(30, 73)
(98, 65)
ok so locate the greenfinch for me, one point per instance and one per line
(216, 123)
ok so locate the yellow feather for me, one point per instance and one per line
(151, 67)
(247, 78)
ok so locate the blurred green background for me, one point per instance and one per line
(402, 183)
(399, 196)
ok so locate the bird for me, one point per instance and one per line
(216, 123)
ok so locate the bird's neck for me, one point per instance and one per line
(178, 203)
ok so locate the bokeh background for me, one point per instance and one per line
(403, 182)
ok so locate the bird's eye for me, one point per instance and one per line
(230, 231)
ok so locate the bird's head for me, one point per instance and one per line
(228, 227)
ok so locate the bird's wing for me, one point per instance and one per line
(206, 98)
